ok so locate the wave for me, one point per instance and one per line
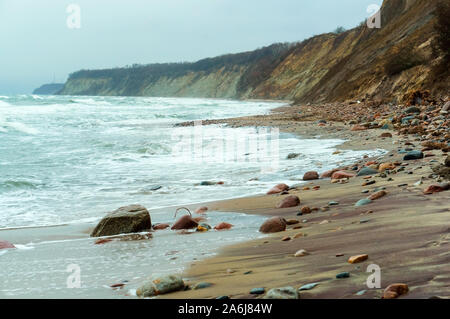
(20, 184)
(18, 127)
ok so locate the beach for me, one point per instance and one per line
(405, 232)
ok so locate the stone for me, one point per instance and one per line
(447, 161)
(358, 258)
(127, 219)
(223, 226)
(257, 291)
(436, 188)
(341, 175)
(412, 109)
(273, 225)
(293, 155)
(305, 210)
(185, 222)
(333, 203)
(386, 135)
(377, 195)
(202, 285)
(290, 201)
(329, 173)
(366, 171)
(446, 107)
(386, 166)
(309, 176)
(286, 238)
(308, 286)
(413, 155)
(301, 253)
(201, 210)
(358, 128)
(363, 202)
(207, 183)
(282, 293)
(6, 245)
(203, 227)
(160, 226)
(278, 189)
(368, 183)
(292, 221)
(160, 286)
(343, 275)
(395, 290)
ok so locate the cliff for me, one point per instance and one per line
(49, 89)
(360, 63)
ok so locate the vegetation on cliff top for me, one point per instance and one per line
(341, 65)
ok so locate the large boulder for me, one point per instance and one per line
(273, 225)
(309, 176)
(160, 286)
(185, 222)
(290, 201)
(6, 245)
(127, 219)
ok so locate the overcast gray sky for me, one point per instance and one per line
(36, 44)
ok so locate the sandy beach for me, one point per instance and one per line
(405, 233)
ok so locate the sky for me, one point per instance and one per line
(37, 45)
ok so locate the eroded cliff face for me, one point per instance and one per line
(328, 67)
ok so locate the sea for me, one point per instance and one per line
(65, 161)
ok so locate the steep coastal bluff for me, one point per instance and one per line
(377, 63)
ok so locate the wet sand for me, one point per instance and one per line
(405, 233)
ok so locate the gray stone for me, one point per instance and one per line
(128, 219)
(308, 286)
(413, 155)
(160, 286)
(257, 291)
(366, 171)
(202, 285)
(363, 202)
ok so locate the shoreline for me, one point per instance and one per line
(271, 260)
(395, 234)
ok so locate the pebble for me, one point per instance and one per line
(343, 275)
(395, 290)
(223, 298)
(257, 291)
(202, 285)
(301, 253)
(358, 258)
(363, 202)
(333, 203)
(378, 195)
(308, 286)
(282, 293)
